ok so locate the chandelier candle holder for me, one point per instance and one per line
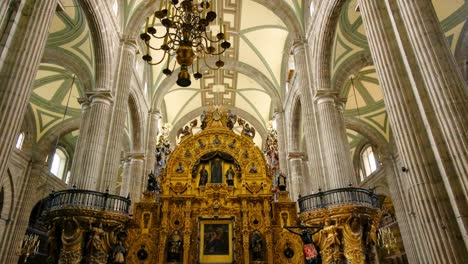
(187, 36)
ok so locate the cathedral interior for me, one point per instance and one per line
(234, 131)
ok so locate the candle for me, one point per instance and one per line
(225, 32)
(154, 19)
(211, 5)
(160, 4)
(168, 59)
(146, 27)
(220, 24)
(198, 64)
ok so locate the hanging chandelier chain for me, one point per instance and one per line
(186, 37)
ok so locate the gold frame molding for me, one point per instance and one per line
(204, 223)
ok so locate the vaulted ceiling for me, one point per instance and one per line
(253, 80)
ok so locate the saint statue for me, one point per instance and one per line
(230, 176)
(203, 177)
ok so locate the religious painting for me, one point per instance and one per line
(216, 171)
(216, 241)
(310, 253)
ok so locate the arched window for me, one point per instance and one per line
(368, 161)
(59, 163)
(20, 140)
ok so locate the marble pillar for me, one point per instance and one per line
(441, 94)
(396, 186)
(301, 58)
(92, 156)
(296, 175)
(339, 167)
(136, 182)
(153, 131)
(126, 177)
(119, 115)
(19, 61)
(436, 234)
(80, 144)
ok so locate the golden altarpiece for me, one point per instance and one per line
(215, 205)
(213, 201)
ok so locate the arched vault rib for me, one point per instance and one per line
(231, 64)
(98, 18)
(62, 59)
(321, 38)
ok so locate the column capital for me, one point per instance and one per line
(325, 96)
(103, 96)
(84, 102)
(278, 113)
(129, 43)
(155, 112)
(136, 155)
(299, 44)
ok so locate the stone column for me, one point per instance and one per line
(396, 186)
(316, 178)
(75, 171)
(117, 127)
(335, 148)
(444, 87)
(296, 175)
(126, 178)
(278, 116)
(136, 182)
(92, 156)
(441, 95)
(19, 61)
(153, 131)
(437, 234)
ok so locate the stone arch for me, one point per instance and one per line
(461, 52)
(137, 123)
(98, 17)
(8, 198)
(231, 64)
(294, 129)
(321, 36)
(62, 59)
(357, 63)
(46, 143)
(261, 130)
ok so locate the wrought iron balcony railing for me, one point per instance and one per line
(85, 199)
(338, 197)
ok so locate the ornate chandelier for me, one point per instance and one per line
(186, 35)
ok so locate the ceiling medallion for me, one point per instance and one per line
(186, 35)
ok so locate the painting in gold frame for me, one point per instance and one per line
(216, 244)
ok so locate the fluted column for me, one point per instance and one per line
(155, 116)
(117, 127)
(335, 148)
(316, 177)
(278, 116)
(437, 236)
(126, 177)
(92, 156)
(446, 90)
(81, 142)
(296, 175)
(19, 61)
(396, 186)
(136, 182)
(442, 96)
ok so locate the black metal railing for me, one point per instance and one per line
(85, 199)
(337, 197)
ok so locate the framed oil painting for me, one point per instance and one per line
(216, 244)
